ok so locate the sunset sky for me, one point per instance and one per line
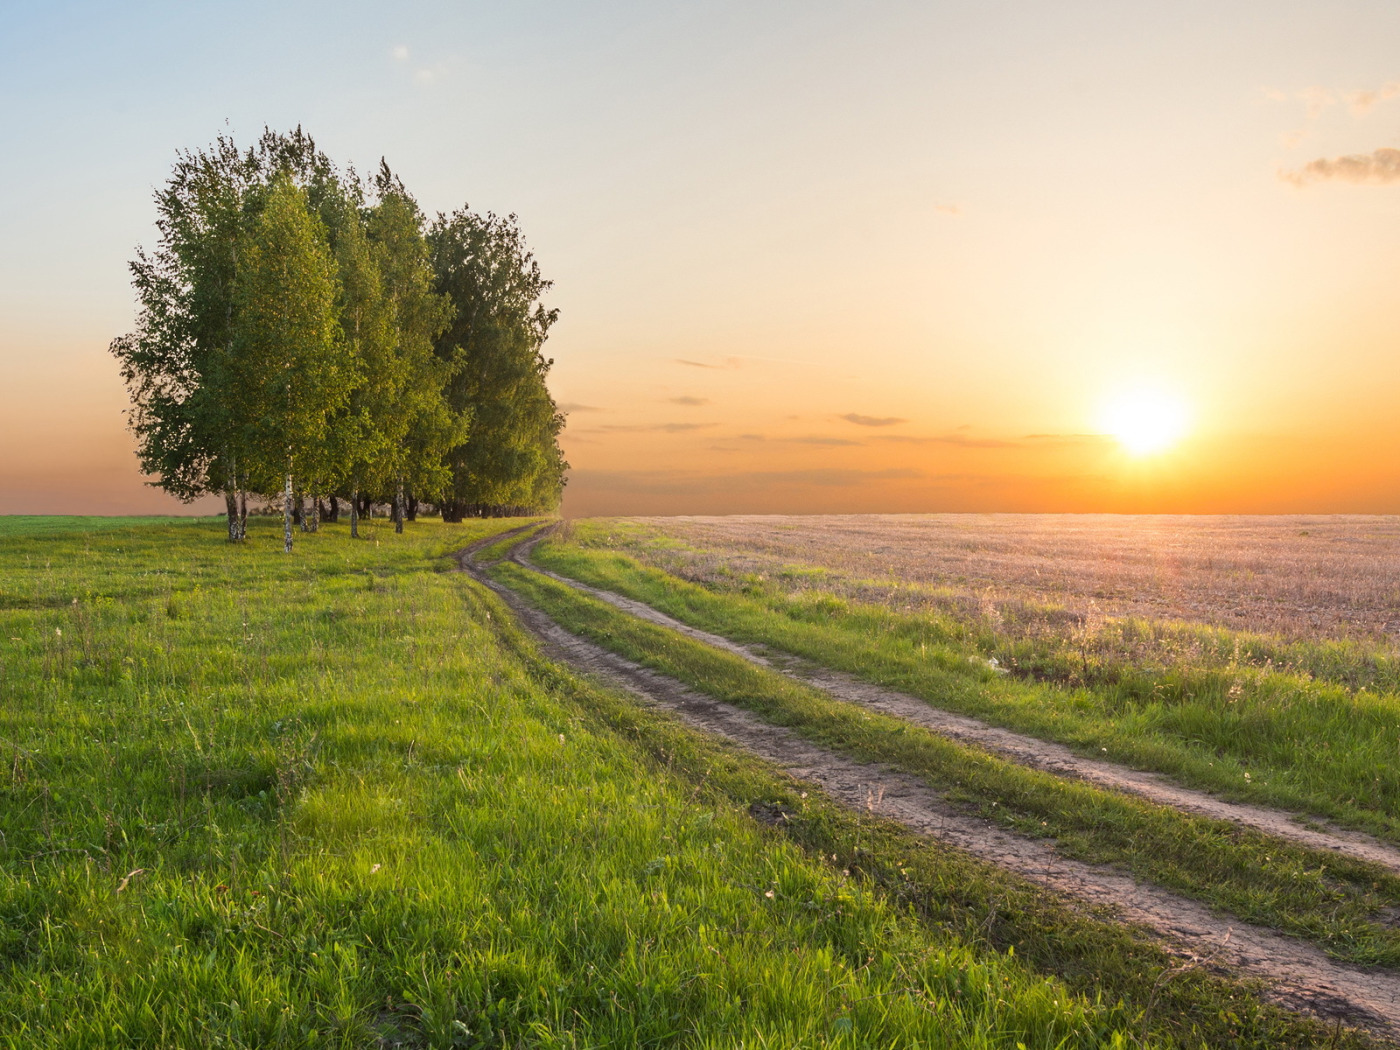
(808, 256)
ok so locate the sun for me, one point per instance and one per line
(1145, 419)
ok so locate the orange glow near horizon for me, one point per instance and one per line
(901, 257)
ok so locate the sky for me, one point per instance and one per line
(808, 257)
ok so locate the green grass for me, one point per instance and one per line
(1334, 901)
(498, 550)
(1169, 1002)
(333, 800)
(1241, 725)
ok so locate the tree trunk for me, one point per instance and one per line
(412, 507)
(333, 514)
(287, 515)
(231, 496)
(300, 517)
(242, 513)
(398, 506)
(315, 514)
(355, 509)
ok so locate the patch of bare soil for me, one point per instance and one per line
(1026, 750)
(1298, 975)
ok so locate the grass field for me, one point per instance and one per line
(1313, 577)
(1256, 717)
(333, 800)
(337, 799)
(1342, 904)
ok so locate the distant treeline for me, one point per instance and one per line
(308, 334)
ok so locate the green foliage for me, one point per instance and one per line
(416, 425)
(511, 458)
(279, 280)
(289, 370)
(174, 362)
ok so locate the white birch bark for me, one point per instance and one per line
(287, 515)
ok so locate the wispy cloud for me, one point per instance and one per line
(639, 428)
(728, 362)
(947, 209)
(1362, 102)
(422, 74)
(574, 406)
(956, 440)
(819, 440)
(1378, 167)
(690, 401)
(1066, 440)
(872, 421)
(1317, 100)
(660, 482)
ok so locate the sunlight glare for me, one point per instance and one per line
(1145, 419)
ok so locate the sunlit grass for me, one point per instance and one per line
(1339, 903)
(1209, 707)
(252, 800)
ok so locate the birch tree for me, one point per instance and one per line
(289, 363)
(416, 427)
(175, 362)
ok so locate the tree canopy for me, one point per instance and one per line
(303, 332)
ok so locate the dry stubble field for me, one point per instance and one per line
(1304, 577)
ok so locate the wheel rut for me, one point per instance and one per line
(1018, 747)
(1296, 974)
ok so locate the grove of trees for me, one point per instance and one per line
(308, 335)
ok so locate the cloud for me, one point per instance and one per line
(822, 441)
(573, 406)
(1317, 100)
(966, 441)
(872, 421)
(729, 362)
(957, 440)
(400, 53)
(1066, 440)
(947, 209)
(1362, 102)
(1378, 167)
(689, 400)
(638, 428)
(665, 482)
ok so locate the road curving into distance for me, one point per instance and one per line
(1298, 974)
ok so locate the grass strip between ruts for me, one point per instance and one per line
(1332, 901)
(1177, 1002)
(1272, 737)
